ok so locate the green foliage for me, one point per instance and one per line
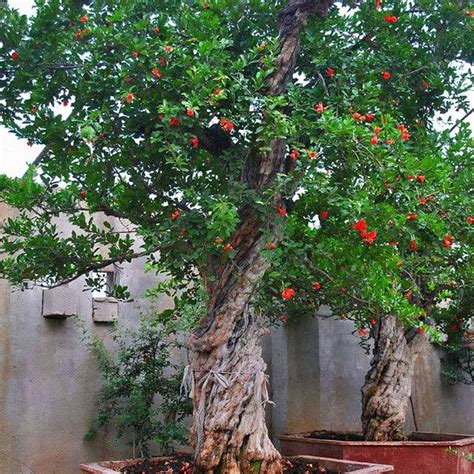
(143, 79)
(140, 394)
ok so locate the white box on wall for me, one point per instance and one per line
(104, 310)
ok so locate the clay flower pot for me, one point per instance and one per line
(424, 453)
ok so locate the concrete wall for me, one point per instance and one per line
(317, 370)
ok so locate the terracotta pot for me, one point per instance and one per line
(339, 465)
(428, 453)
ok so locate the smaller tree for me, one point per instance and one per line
(140, 395)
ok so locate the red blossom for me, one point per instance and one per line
(189, 112)
(271, 245)
(372, 322)
(312, 154)
(470, 220)
(421, 330)
(156, 73)
(324, 215)
(294, 155)
(388, 141)
(377, 130)
(83, 19)
(288, 293)
(228, 247)
(130, 97)
(15, 56)
(316, 285)
(330, 72)
(283, 318)
(370, 237)
(174, 121)
(168, 48)
(281, 211)
(424, 84)
(369, 117)
(448, 240)
(360, 225)
(217, 91)
(320, 107)
(394, 243)
(78, 35)
(386, 75)
(175, 215)
(374, 140)
(411, 177)
(227, 125)
(135, 54)
(362, 332)
(194, 142)
(387, 184)
(422, 200)
(357, 116)
(413, 245)
(156, 29)
(83, 193)
(411, 216)
(65, 102)
(391, 19)
(378, 4)
(421, 178)
(162, 61)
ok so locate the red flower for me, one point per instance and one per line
(386, 75)
(189, 112)
(194, 142)
(227, 125)
(390, 19)
(357, 116)
(470, 220)
(228, 247)
(316, 285)
(387, 184)
(410, 177)
(283, 318)
(156, 29)
(411, 216)
(78, 36)
(83, 194)
(168, 48)
(372, 322)
(330, 72)
(281, 211)
(320, 107)
(175, 215)
(288, 293)
(15, 56)
(388, 141)
(400, 263)
(378, 4)
(448, 240)
(422, 200)
(65, 102)
(370, 237)
(294, 155)
(421, 330)
(271, 246)
(156, 73)
(360, 225)
(369, 117)
(374, 140)
(217, 91)
(377, 130)
(135, 54)
(162, 60)
(130, 97)
(394, 243)
(413, 245)
(362, 332)
(424, 84)
(205, 5)
(421, 178)
(83, 19)
(312, 154)
(174, 121)
(405, 135)
(324, 215)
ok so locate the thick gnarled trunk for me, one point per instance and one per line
(229, 431)
(387, 389)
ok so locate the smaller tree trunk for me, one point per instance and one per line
(387, 388)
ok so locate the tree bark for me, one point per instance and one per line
(387, 388)
(228, 372)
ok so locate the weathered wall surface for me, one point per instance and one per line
(317, 370)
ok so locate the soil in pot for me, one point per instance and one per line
(182, 464)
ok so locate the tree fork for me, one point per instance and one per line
(229, 431)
